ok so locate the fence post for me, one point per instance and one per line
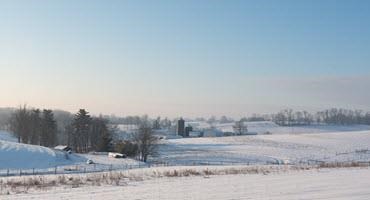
(20, 172)
(56, 168)
(7, 172)
(33, 171)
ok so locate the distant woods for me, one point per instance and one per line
(84, 132)
(90, 133)
(34, 126)
(334, 116)
(42, 127)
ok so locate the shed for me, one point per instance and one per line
(63, 148)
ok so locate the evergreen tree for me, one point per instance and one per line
(81, 126)
(48, 129)
(104, 144)
(100, 136)
(35, 126)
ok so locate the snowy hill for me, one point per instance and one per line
(7, 136)
(23, 156)
(14, 155)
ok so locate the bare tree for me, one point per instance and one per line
(240, 128)
(146, 141)
(157, 123)
(64, 120)
(20, 124)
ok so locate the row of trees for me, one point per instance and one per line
(88, 133)
(94, 133)
(156, 123)
(288, 117)
(343, 117)
(34, 126)
(82, 132)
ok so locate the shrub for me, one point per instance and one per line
(127, 148)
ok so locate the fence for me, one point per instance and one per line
(93, 168)
(75, 169)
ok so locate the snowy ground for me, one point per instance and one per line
(259, 149)
(329, 146)
(33, 158)
(271, 127)
(336, 184)
(262, 149)
(23, 156)
(7, 137)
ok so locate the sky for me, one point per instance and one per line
(186, 57)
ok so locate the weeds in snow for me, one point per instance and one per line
(24, 184)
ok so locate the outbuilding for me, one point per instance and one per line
(63, 148)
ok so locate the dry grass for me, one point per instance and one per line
(343, 164)
(120, 178)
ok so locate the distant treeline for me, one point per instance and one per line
(81, 131)
(334, 116)
(49, 128)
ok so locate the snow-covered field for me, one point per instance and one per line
(352, 183)
(259, 149)
(309, 144)
(262, 149)
(272, 128)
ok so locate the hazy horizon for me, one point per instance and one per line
(185, 58)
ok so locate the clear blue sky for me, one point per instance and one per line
(185, 58)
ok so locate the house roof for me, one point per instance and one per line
(61, 147)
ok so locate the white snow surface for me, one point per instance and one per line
(262, 149)
(23, 156)
(259, 149)
(15, 156)
(336, 184)
(7, 136)
(271, 127)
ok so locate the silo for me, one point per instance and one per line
(181, 127)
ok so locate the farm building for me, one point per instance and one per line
(63, 148)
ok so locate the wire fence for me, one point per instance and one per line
(94, 168)
(75, 169)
